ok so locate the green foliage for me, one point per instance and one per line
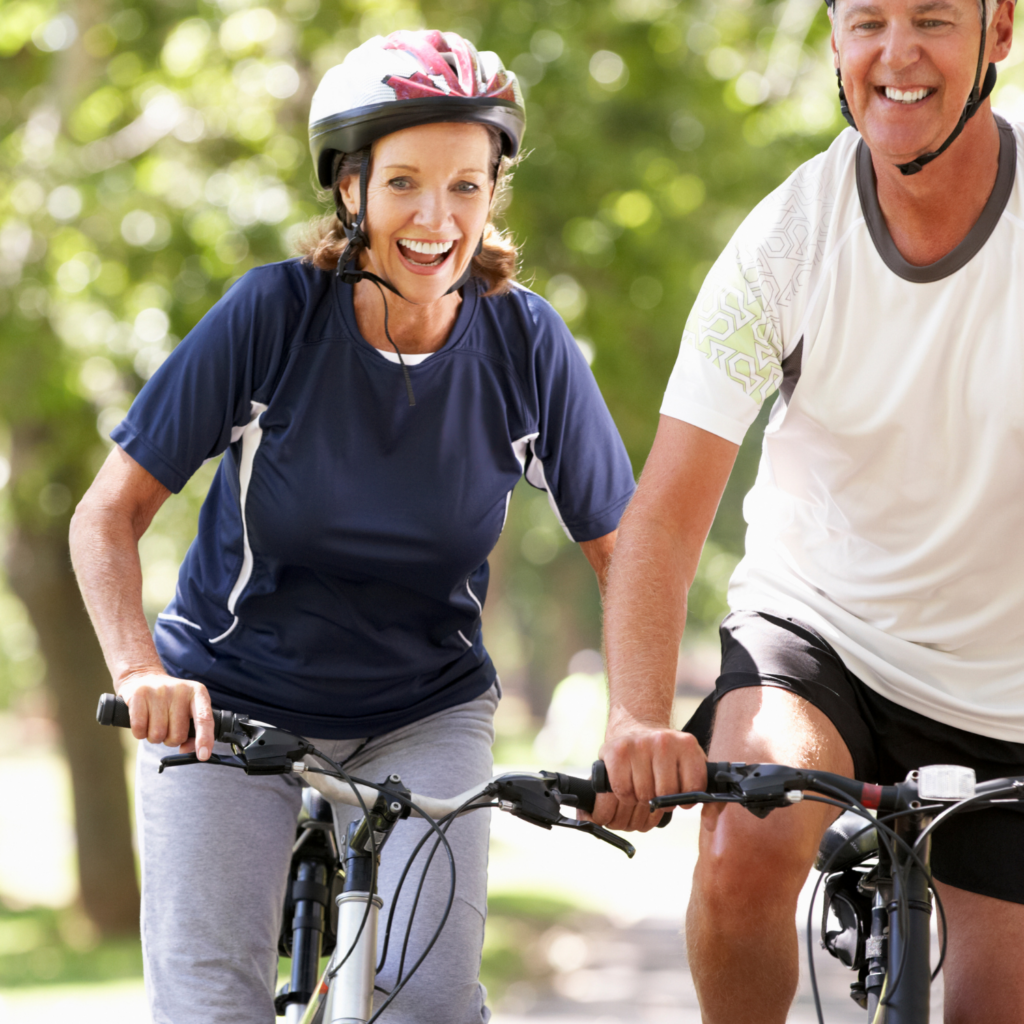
(43, 946)
(151, 152)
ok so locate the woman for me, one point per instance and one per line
(375, 401)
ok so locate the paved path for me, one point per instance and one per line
(637, 975)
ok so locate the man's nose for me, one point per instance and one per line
(901, 48)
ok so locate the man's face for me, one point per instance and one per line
(908, 67)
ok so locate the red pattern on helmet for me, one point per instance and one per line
(427, 48)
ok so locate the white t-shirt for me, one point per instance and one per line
(888, 512)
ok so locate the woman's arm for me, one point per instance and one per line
(105, 530)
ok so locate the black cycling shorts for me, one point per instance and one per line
(981, 851)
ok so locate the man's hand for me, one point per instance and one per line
(643, 761)
(161, 707)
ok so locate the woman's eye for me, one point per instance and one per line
(467, 187)
(400, 184)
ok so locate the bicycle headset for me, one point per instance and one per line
(979, 93)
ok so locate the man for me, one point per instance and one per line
(878, 615)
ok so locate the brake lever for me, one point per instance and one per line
(598, 832)
(177, 760)
(699, 797)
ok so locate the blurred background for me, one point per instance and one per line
(154, 150)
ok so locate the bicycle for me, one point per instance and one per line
(332, 906)
(876, 869)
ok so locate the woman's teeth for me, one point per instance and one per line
(910, 96)
(439, 250)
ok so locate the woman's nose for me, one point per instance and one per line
(434, 210)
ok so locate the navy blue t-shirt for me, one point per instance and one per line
(340, 568)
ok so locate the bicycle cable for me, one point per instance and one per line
(340, 773)
(404, 875)
(445, 823)
(442, 840)
(902, 905)
(902, 908)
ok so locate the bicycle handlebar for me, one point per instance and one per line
(262, 749)
(113, 710)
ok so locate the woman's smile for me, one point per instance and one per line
(424, 254)
(428, 200)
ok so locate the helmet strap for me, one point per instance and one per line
(844, 107)
(976, 99)
(355, 233)
(468, 272)
(979, 93)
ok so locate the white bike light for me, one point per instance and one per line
(945, 782)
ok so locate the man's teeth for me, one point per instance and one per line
(427, 248)
(910, 96)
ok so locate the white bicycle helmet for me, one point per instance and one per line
(407, 79)
(387, 84)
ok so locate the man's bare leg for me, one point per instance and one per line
(741, 921)
(982, 977)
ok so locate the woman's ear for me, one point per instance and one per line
(348, 187)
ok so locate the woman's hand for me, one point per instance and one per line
(161, 707)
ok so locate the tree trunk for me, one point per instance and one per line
(39, 572)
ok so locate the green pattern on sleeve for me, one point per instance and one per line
(728, 324)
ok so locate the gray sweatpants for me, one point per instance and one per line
(216, 845)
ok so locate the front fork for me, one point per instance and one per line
(353, 969)
(899, 952)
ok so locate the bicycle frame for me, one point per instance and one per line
(345, 993)
(897, 979)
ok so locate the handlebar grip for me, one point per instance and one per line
(714, 767)
(582, 789)
(113, 710)
(600, 783)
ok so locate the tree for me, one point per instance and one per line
(155, 150)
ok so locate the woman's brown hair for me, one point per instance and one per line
(324, 242)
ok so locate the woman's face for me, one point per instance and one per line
(428, 198)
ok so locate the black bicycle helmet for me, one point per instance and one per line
(979, 93)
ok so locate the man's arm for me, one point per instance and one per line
(599, 555)
(659, 546)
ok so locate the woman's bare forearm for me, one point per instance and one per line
(105, 530)
(105, 555)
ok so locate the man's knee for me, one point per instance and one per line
(747, 864)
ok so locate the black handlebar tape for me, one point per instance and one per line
(112, 710)
(599, 780)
